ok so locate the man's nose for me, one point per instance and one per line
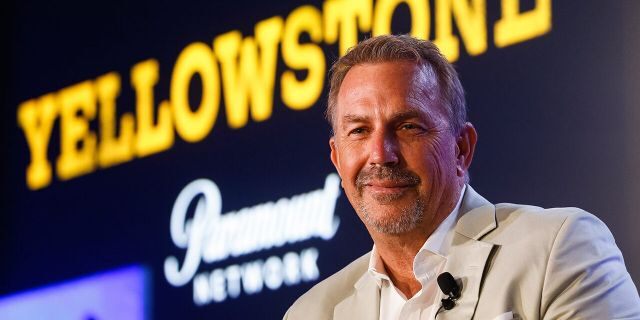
(383, 150)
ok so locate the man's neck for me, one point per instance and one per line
(397, 254)
(398, 251)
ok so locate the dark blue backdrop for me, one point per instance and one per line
(556, 116)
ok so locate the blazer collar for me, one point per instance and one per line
(465, 262)
(363, 304)
(477, 215)
(469, 255)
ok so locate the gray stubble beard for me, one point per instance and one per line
(408, 219)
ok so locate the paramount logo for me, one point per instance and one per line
(210, 236)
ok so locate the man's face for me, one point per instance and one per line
(393, 147)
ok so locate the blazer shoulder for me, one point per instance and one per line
(542, 225)
(547, 216)
(320, 300)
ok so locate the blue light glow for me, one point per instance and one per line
(118, 294)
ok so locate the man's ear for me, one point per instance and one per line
(334, 154)
(335, 158)
(465, 147)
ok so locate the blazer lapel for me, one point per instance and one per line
(466, 261)
(467, 264)
(468, 254)
(363, 304)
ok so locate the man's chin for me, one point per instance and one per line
(392, 220)
(391, 227)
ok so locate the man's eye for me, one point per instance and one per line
(357, 131)
(409, 126)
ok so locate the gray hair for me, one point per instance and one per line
(389, 48)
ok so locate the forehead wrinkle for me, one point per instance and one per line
(361, 113)
(355, 117)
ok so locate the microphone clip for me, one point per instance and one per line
(449, 302)
(450, 287)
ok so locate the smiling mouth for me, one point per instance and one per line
(386, 183)
(385, 194)
(388, 188)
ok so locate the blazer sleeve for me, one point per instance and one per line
(585, 276)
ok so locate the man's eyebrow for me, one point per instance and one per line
(397, 117)
(405, 115)
(351, 118)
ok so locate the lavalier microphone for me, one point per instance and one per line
(450, 287)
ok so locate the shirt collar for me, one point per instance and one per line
(438, 243)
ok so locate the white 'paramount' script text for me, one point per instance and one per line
(211, 236)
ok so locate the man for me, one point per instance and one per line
(402, 147)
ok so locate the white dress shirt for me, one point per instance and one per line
(427, 265)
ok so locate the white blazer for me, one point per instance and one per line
(514, 262)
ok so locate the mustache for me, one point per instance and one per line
(395, 174)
